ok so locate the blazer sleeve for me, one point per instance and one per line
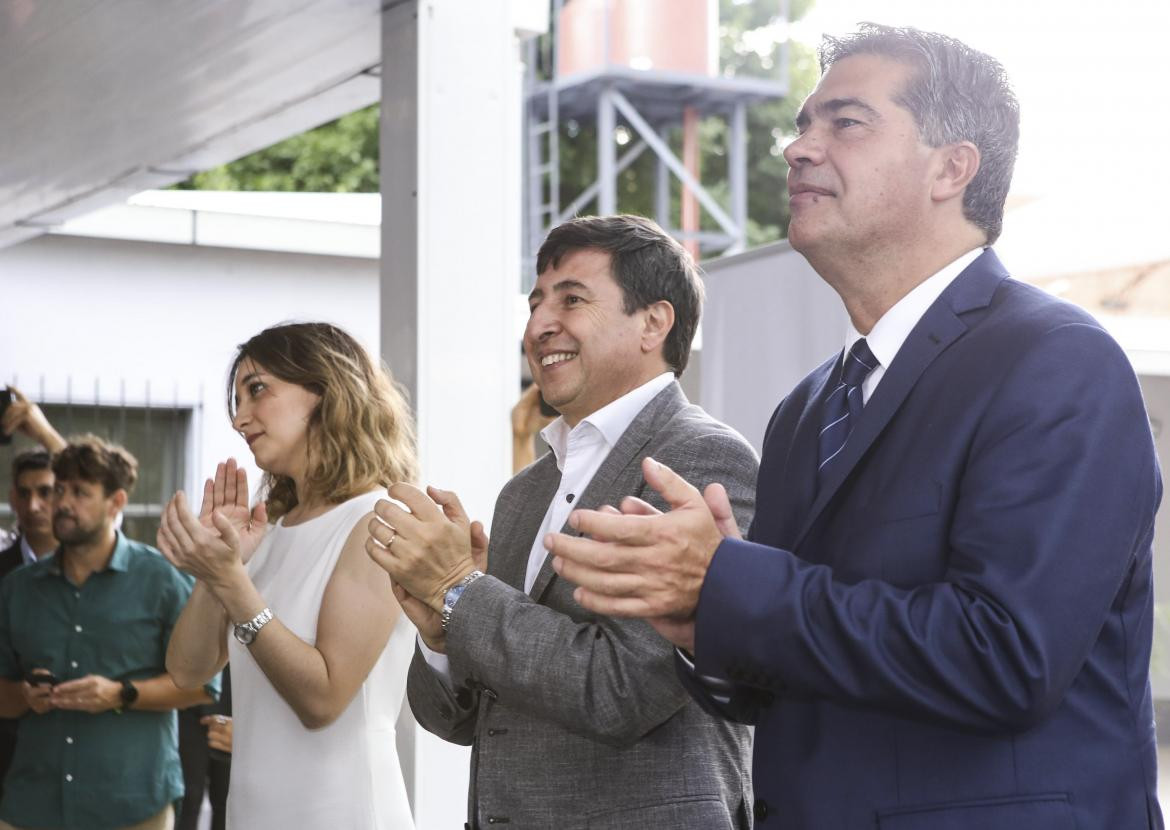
(437, 707)
(607, 679)
(1053, 513)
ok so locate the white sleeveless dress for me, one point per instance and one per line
(345, 775)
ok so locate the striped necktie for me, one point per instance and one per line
(843, 406)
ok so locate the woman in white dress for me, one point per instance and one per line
(318, 645)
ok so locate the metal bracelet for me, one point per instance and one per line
(452, 597)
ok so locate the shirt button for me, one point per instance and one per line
(68, 739)
(73, 664)
(68, 777)
(569, 498)
(77, 594)
(77, 628)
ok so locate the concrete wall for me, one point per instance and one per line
(768, 321)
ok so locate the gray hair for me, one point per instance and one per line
(957, 94)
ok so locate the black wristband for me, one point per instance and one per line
(129, 694)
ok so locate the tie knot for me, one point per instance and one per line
(859, 362)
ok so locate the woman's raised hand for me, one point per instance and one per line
(207, 553)
(227, 494)
(223, 536)
(210, 554)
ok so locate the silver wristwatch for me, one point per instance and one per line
(453, 594)
(246, 632)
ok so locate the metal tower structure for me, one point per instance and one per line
(651, 65)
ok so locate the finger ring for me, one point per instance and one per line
(220, 719)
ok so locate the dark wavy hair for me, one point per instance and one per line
(37, 458)
(93, 459)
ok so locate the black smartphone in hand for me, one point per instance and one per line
(41, 677)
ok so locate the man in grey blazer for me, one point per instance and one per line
(576, 720)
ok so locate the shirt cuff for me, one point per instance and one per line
(439, 663)
(717, 688)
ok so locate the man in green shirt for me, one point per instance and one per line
(83, 638)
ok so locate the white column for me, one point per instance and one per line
(450, 160)
(606, 155)
(737, 173)
(662, 185)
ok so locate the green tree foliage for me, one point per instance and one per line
(338, 157)
(770, 124)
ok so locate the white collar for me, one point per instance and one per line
(609, 422)
(891, 330)
(27, 554)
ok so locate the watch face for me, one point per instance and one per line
(244, 634)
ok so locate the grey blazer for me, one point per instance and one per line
(578, 720)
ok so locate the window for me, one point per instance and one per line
(156, 436)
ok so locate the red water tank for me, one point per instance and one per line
(665, 35)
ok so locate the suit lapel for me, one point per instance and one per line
(798, 476)
(544, 479)
(939, 327)
(620, 471)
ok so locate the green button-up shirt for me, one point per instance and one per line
(81, 771)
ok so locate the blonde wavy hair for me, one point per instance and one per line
(361, 435)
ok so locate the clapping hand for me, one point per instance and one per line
(224, 535)
(227, 494)
(644, 563)
(463, 538)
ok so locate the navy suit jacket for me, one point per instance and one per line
(955, 631)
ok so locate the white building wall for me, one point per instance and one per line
(90, 318)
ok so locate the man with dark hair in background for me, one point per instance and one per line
(83, 637)
(31, 490)
(576, 718)
(31, 499)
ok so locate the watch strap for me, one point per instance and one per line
(246, 632)
(453, 594)
(127, 696)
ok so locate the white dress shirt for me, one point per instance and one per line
(579, 452)
(891, 330)
(26, 552)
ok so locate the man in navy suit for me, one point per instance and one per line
(942, 615)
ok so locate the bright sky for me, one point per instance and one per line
(1093, 80)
